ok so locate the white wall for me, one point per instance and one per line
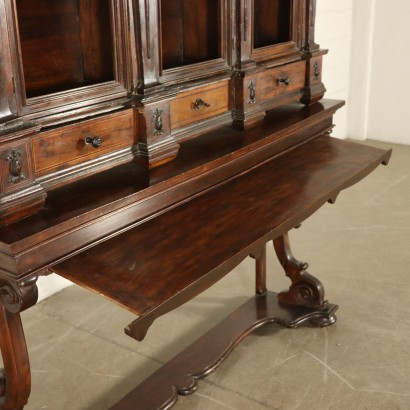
(333, 31)
(389, 106)
(360, 68)
(48, 285)
(379, 87)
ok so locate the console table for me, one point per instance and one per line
(150, 240)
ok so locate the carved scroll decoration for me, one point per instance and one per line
(15, 378)
(158, 122)
(15, 168)
(18, 297)
(305, 289)
(316, 71)
(252, 92)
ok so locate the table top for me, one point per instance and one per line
(165, 261)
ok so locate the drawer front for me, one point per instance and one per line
(282, 80)
(74, 144)
(200, 104)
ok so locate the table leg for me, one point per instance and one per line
(15, 378)
(305, 290)
(260, 270)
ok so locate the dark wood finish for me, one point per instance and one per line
(65, 47)
(64, 44)
(67, 61)
(181, 374)
(125, 195)
(20, 194)
(271, 22)
(8, 101)
(282, 80)
(67, 146)
(305, 290)
(195, 255)
(314, 89)
(15, 378)
(189, 32)
(199, 104)
(230, 182)
(260, 271)
(96, 99)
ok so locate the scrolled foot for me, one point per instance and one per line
(305, 289)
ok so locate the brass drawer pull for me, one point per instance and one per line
(199, 104)
(284, 80)
(96, 142)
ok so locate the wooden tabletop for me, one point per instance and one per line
(163, 262)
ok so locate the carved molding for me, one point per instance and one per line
(17, 297)
(305, 290)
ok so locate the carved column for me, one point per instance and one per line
(8, 103)
(15, 378)
(156, 144)
(314, 89)
(247, 109)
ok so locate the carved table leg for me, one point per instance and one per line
(305, 289)
(15, 378)
(260, 270)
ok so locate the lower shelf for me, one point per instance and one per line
(181, 374)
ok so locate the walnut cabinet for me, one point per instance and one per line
(146, 148)
(90, 84)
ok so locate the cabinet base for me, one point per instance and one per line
(181, 374)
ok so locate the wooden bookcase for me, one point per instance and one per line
(146, 148)
(181, 68)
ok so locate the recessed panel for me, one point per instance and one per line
(190, 32)
(272, 22)
(65, 44)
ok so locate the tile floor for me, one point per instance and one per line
(359, 248)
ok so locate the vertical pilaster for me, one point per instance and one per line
(314, 89)
(8, 103)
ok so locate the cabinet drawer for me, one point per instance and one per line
(74, 144)
(282, 80)
(200, 104)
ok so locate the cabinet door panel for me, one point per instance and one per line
(272, 22)
(190, 32)
(64, 44)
